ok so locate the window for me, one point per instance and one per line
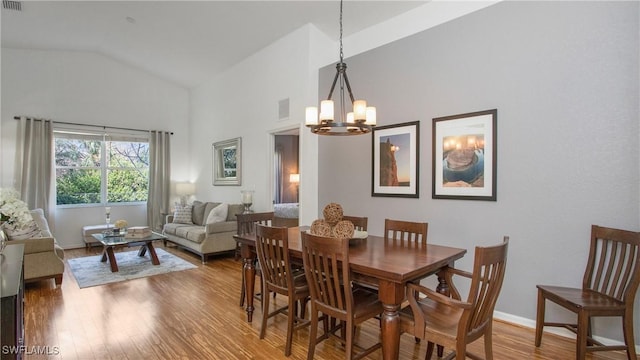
(100, 168)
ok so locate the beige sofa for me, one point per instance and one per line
(43, 258)
(201, 238)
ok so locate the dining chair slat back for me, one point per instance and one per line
(406, 233)
(246, 224)
(326, 265)
(451, 322)
(272, 246)
(359, 222)
(609, 287)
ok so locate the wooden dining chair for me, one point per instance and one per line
(400, 233)
(359, 222)
(407, 233)
(246, 225)
(272, 246)
(326, 264)
(609, 288)
(451, 322)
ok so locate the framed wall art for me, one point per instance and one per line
(464, 156)
(395, 155)
(227, 162)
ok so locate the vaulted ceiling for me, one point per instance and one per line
(185, 42)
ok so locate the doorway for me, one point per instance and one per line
(286, 174)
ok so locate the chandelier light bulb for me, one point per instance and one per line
(326, 110)
(371, 116)
(360, 110)
(311, 115)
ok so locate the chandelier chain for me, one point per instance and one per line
(341, 53)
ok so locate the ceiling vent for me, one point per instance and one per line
(12, 5)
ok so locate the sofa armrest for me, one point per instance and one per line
(169, 219)
(36, 245)
(225, 226)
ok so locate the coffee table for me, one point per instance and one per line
(111, 242)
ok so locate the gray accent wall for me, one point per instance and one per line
(564, 77)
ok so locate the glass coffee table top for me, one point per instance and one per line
(111, 240)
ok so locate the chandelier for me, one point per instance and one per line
(359, 121)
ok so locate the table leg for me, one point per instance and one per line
(249, 269)
(442, 288)
(152, 253)
(391, 295)
(108, 253)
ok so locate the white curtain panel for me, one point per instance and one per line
(158, 200)
(34, 165)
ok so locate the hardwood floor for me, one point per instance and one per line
(194, 314)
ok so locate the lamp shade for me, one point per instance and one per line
(185, 189)
(294, 178)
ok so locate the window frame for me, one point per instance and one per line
(104, 167)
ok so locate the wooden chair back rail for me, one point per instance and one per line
(485, 294)
(612, 268)
(406, 231)
(359, 223)
(274, 262)
(246, 222)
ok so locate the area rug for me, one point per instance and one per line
(89, 271)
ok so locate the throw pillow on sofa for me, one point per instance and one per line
(13, 232)
(182, 214)
(218, 214)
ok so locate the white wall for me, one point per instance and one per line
(243, 102)
(567, 95)
(88, 88)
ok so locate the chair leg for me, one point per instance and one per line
(488, 341)
(627, 328)
(313, 333)
(429, 353)
(265, 316)
(539, 318)
(291, 317)
(303, 307)
(582, 335)
(58, 279)
(348, 333)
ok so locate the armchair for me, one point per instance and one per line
(43, 258)
(452, 322)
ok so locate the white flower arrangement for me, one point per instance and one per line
(13, 210)
(120, 224)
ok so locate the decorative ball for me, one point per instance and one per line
(321, 228)
(332, 213)
(343, 230)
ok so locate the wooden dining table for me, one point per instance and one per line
(390, 264)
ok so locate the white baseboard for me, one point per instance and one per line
(518, 320)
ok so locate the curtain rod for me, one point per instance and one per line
(98, 126)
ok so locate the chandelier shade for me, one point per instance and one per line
(359, 121)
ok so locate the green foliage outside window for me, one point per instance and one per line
(79, 169)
